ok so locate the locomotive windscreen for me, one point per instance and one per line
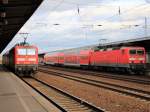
(27, 51)
(31, 51)
(138, 52)
(22, 51)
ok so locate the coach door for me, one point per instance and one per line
(118, 58)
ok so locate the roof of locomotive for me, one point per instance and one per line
(24, 44)
(133, 47)
(30, 46)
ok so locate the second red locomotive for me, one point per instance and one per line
(131, 59)
(22, 59)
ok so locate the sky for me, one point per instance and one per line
(63, 24)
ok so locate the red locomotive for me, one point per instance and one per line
(131, 59)
(22, 59)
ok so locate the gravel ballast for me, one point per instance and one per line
(106, 99)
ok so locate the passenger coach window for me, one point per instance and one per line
(31, 51)
(140, 52)
(132, 52)
(21, 51)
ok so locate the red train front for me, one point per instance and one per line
(23, 59)
(131, 59)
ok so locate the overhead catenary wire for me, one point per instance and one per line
(141, 6)
(127, 11)
(131, 9)
(63, 1)
(58, 4)
(85, 4)
(120, 21)
(104, 32)
(80, 18)
(137, 7)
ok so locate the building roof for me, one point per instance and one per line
(141, 42)
(13, 15)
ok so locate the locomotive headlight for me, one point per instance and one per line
(32, 59)
(141, 59)
(21, 59)
(132, 59)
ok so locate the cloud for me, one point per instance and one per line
(57, 24)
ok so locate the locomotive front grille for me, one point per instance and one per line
(26, 67)
(137, 66)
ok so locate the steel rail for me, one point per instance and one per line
(114, 87)
(110, 76)
(61, 99)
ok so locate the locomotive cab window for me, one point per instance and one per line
(21, 51)
(31, 51)
(132, 52)
(140, 52)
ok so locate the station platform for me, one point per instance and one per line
(16, 96)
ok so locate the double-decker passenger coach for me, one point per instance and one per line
(127, 59)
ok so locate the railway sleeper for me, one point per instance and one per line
(75, 104)
(77, 109)
(70, 102)
(62, 99)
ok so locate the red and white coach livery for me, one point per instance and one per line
(131, 59)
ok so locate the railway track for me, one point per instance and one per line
(62, 100)
(144, 95)
(104, 75)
